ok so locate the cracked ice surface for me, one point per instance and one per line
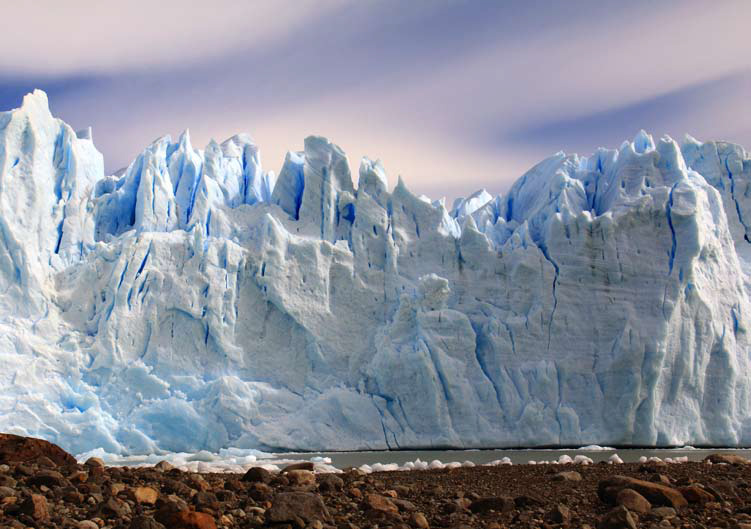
(196, 302)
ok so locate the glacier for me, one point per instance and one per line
(196, 301)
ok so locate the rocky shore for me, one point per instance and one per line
(42, 486)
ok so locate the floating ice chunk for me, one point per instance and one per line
(614, 459)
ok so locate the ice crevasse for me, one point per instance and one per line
(195, 301)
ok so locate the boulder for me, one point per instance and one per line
(35, 506)
(287, 506)
(191, 520)
(376, 502)
(560, 514)
(656, 493)
(18, 449)
(163, 466)
(49, 478)
(696, 494)
(618, 518)
(492, 503)
(728, 459)
(633, 501)
(143, 495)
(257, 475)
(94, 462)
(664, 512)
(114, 508)
(329, 482)
(417, 519)
(145, 522)
(301, 478)
(303, 465)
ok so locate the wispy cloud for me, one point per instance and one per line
(453, 95)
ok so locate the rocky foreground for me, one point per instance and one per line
(43, 486)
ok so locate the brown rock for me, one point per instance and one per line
(287, 506)
(78, 476)
(492, 503)
(196, 482)
(258, 475)
(49, 478)
(87, 524)
(729, 459)
(664, 512)
(8, 500)
(656, 493)
(163, 466)
(6, 492)
(205, 499)
(36, 507)
(72, 495)
(15, 449)
(304, 465)
(260, 491)
(94, 462)
(116, 488)
(145, 522)
(404, 505)
(301, 478)
(114, 508)
(526, 501)
(45, 462)
(633, 501)
(329, 482)
(143, 495)
(417, 519)
(176, 487)
(376, 502)
(560, 514)
(168, 507)
(569, 475)
(618, 518)
(696, 494)
(191, 520)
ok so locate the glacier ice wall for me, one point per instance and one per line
(195, 301)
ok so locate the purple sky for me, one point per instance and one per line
(454, 96)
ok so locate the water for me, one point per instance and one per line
(239, 460)
(628, 455)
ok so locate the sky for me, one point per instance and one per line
(453, 96)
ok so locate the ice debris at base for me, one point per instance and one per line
(196, 302)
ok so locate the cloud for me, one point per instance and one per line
(51, 38)
(714, 109)
(453, 95)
